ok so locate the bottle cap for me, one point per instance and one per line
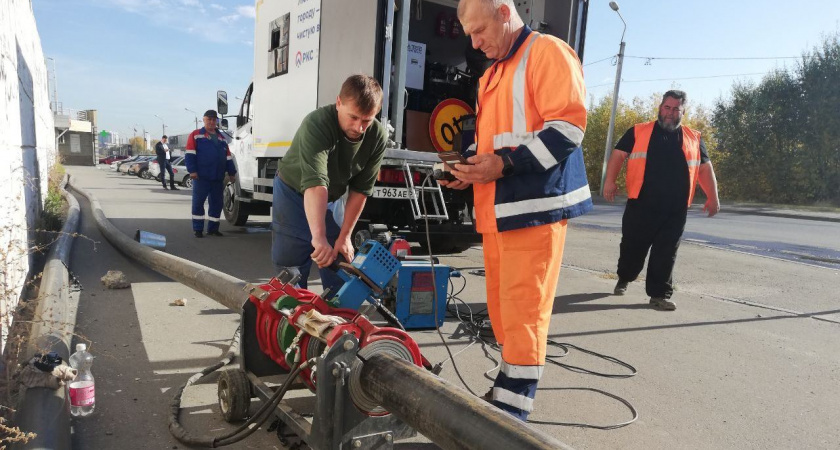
(81, 347)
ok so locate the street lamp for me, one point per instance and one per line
(194, 114)
(144, 135)
(163, 124)
(609, 145)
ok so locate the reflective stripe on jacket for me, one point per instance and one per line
(209, 158)
(638, 158)
(531, 107)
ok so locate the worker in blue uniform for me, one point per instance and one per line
(208, 158)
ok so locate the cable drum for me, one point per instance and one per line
(364, 402)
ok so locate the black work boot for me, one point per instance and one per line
(620, 287)
(172, 186)
(663, 304)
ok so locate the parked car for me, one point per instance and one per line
(181, 175)
(125, 167)
(141, 167)
(108, 160)
(115, 165)
(154, 168)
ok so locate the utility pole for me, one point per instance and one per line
(195, 114)
(609, 145)
(163, 124)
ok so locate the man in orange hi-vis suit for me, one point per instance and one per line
(528, 178)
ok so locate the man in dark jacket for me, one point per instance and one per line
(208, 158)
(163, 155)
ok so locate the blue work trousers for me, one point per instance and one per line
(291, 240)
(210, 191)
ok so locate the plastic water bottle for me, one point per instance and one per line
(82, 398)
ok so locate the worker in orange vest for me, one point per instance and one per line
(666, 161)
(528, 178)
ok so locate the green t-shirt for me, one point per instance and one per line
(321, 155)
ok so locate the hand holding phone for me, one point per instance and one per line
(452, 158)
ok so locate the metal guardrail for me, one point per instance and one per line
(436, 408)
(44, 411)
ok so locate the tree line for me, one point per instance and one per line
(774, 141)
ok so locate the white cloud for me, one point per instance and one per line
(247, 11)
(172, 14)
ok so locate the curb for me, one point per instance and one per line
(44, 411)
(735, 209)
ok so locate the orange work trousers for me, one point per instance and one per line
(521, 270)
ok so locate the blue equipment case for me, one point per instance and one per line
(416, 295)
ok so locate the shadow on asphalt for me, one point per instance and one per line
(572, 303)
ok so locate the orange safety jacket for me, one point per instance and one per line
(531, 106)
(638, 158)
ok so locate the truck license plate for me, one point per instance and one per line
(390, 192)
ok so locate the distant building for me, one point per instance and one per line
(75, 133)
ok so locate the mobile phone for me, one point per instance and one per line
(452, 158)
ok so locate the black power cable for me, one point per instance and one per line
(243, 431)
(439, 366)
(476, 324)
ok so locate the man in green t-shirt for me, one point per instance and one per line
(324, 180)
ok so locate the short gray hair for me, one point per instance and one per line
(676, 94)
(491, 5)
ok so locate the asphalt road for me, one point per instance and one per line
(750, 359)
(807, 241)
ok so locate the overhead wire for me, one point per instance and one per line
(711, 58)
(678, 79)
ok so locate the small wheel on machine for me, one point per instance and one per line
(234, 389)
(359, 238)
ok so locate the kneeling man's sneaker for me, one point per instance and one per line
(663, 304)
(620, 287)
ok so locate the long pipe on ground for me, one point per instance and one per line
(446, 414)
(44, 411)
(221, 287)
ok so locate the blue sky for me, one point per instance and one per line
(132, 59)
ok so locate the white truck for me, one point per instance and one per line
(303, 51)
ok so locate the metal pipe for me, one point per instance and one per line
(221, 287)
(443, 412)
(448, 415)
(44, 411)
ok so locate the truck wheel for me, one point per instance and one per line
(234, 390)
(236, 211)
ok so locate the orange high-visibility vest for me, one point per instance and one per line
(531, 103)
(638, 158)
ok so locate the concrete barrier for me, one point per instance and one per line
(43, 411)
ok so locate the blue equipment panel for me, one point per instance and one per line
(377, 264)
(417, 294)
